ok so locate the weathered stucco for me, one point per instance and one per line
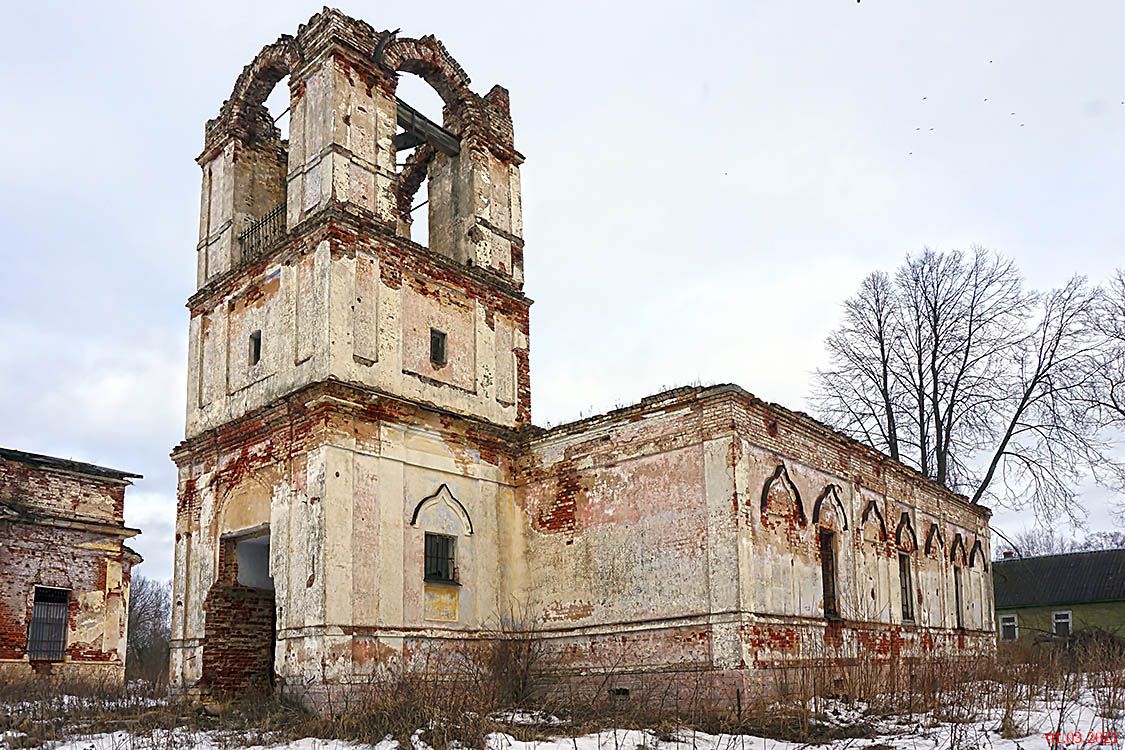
(62, 527)
(678, 534)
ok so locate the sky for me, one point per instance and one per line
(705, 184)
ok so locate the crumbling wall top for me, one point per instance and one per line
(381, 55)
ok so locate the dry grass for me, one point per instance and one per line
(456, 696)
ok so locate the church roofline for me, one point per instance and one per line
(683, 395)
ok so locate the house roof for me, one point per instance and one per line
(64, 464)
(1074, 578)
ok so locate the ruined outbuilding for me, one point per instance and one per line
(360, 477)
(64, 568)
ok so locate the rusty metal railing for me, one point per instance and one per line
(263, 233)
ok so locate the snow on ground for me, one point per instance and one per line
(969, 737)
(1082, 725)
(202, 741)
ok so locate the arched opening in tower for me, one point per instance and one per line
(414, 151)
(268, 150)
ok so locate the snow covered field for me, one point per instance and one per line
(1074, 711)
(1079, 717)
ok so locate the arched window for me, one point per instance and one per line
(443, 520)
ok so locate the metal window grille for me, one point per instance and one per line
(46, 635)
(906, 588)
(437, 346)
(828, 574)
(261, 235)
(439, 557)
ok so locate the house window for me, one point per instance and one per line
(906, 587)
(828, 573)
(1009, 629)
(255, 355)
(439, 558)
(46, 636)
(1062, 624)
(437, 347)
(958, 597)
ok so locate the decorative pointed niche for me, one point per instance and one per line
(442, 512)
(872, 524)
(957, 550)
(905, 537)
(780, 498)
(828, 511)
(977, 555)
(935, 542)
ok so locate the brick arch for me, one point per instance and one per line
(428, 59)
(245, 110)
(828, 510)
(243, 495)
(780, 496)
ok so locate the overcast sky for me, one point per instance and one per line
(704, 185)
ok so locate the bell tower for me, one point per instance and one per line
(340, 369)
(322, 212)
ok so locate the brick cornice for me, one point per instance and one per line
(329, 396)
(343, 221)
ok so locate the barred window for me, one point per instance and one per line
(1009, 628)
(46, 635)
(439, 558)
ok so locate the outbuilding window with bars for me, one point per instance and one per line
(46, 635)
(440, 563)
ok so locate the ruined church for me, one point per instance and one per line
(360, 478)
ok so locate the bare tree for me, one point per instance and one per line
(953, 367)
(150, 622)
(1108, 394)
(1044, 439)
(864, 344)
(1042, 541)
